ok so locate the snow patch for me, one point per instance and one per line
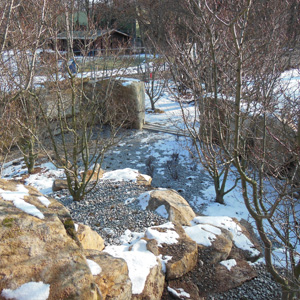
(228, 263)
(239, 239)
(167, 236)
(126, 174)
(161, 210)
(94, 267)
(28, 291)
(139, 260)
(179, 293)
(203, 234)
(17, 198)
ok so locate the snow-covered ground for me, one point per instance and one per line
(143, 259)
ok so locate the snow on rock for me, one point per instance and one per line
(228, 263)
(44, 201)
(178, 293)
(126, 174)
(163, 234)
(239, 239)
(17, 197)
(28, 291)
(139, 260)
(161, 210)
(94, 267)
(164, 260)
(203, 234)
(144, 199)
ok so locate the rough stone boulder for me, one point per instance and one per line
(143, 179)
(154, 284)
(219, 240)
(244, 254)
(95, 174)
(178, 252)
(113, 280)
(145, 269)
(244, 244)
(59, 184)
(126, 103)
(232, 273)
(176, 208)
(39, 248)
(89, 238)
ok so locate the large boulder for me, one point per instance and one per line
(113, 280)
(176, 208)
(94, 174)
(154, 284)
(39, 247)
(125, 104)
(89, 238)
(59, 184)
(178, 254)
(244, 245)
(219, 240)
(145, 269)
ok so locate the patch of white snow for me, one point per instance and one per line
(17, 198)
(28, 291)
(94, 267)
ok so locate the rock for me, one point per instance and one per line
(241, 254)
(144, 180)
(218, 240)
(178, 209)
(94, 175)
(180, 255)
(154, 285)
(125, 105)
(236, 276)
(38, 244)
(178, 289)
(244, 245)
(145, 269)
(89, 238)
(113, 281)
(59, 184)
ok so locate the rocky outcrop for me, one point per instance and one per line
(113, 281)
(177, 208)
(180, 256)
(38, 246)
(154, 284)
(41, 247)
(89, 238)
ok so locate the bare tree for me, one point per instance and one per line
(156, 80)
(239, 55)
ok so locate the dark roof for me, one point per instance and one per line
(89, 35)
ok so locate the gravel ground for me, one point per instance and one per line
(107, 211)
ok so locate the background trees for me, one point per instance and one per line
(231, 56)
